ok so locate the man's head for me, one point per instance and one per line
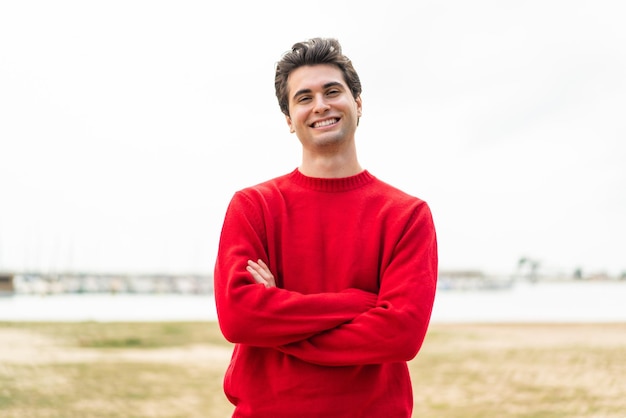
(313, 52)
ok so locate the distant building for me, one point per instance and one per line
(6, 284)
(471, 280)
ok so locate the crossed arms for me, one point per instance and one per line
(350, 327)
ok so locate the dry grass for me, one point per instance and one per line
(92, 370)
(522, 371)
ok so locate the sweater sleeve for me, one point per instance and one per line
(395, 328)
(250, 313)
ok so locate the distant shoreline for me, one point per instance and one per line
(571, 302)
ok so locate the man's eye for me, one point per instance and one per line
(333, 92)
(303, 99)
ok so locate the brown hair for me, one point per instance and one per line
(312, 52)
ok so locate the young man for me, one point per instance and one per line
(325, 277)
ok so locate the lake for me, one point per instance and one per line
(602, 301)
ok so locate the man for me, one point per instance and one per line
(325, 277)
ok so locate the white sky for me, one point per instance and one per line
(126, 126)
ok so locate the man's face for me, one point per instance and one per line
(322, 111)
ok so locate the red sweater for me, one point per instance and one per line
(355, 262)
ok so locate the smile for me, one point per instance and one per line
(324, 123)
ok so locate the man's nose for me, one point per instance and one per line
(320, 104)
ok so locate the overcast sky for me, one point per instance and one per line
(126, 126)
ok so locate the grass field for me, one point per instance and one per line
(128, 370)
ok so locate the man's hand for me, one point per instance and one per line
(261, 273)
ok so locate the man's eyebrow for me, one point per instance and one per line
(303, 91)
(325, 86)
(332, 84)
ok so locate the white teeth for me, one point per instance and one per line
(324, 123)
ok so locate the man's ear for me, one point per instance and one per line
(359, 106)
(290, 124)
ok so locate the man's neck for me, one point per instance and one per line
(336, 166)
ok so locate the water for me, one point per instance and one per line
(525, 302)
(107, 307)
(541, 302)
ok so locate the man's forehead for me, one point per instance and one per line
(315, 76)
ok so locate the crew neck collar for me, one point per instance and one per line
(340, 184)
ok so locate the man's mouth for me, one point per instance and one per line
(326, 122)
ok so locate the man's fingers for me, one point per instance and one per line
(261, 273)
(256, 276)
(262, 264)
